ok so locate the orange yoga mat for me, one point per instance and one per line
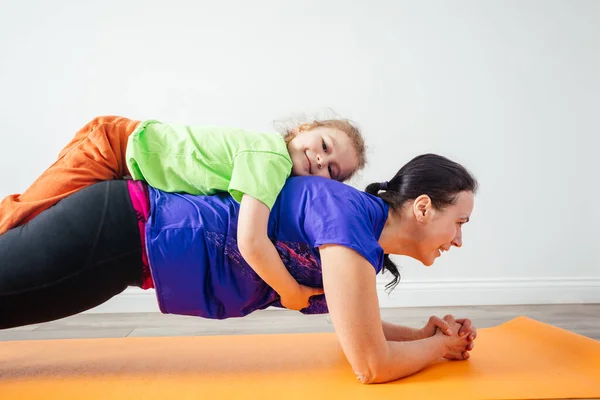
(522, 359)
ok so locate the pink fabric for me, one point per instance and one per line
(138, 192)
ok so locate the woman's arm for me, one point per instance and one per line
(399, 333)
(350, 288)
(262, 256)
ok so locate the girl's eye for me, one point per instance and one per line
(324, 146)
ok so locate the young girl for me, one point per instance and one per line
(251, 166)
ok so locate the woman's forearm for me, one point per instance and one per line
(398, 333)
(406, 358)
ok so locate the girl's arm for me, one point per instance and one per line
(260, 253)
(351, 291)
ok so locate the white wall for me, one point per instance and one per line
(509, 88)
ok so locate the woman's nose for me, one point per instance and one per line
(457, 240)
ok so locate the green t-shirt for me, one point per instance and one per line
(206, 160)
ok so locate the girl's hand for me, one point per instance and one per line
(301, 298)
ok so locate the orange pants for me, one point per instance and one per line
(96, 153)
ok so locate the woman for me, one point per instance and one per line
(88, 248)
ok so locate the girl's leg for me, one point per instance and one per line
(96, 153)
(70, 258)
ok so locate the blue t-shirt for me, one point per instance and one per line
(198, 269)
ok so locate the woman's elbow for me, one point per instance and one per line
(370, 371)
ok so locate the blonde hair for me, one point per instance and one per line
(340, 124)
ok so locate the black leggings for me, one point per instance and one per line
(70, 258)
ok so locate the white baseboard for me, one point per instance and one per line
(132, 300)
(492, 292)
(430, 294)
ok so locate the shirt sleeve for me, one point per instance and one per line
(341, 221)
(260, 175)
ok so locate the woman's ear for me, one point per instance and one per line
(422, 208)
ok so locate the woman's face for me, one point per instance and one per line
(440, 229)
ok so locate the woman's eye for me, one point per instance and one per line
(324, 146)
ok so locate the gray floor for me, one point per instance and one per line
(583, 319)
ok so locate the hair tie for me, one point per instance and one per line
(383, 185)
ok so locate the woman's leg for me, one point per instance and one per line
(70, 258)
(96, 153)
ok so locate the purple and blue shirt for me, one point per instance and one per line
(196, 266)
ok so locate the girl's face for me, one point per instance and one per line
(323, 151)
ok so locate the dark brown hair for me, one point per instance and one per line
(435, 176)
